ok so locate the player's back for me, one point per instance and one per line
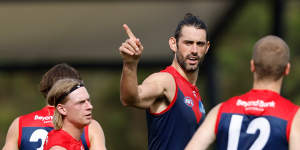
(34, 127)
(259, 119)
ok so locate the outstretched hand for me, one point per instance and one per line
(132, 48)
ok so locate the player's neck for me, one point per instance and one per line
(74, 131)
(268, 85)
(191, 77)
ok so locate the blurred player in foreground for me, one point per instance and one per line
(261, 118)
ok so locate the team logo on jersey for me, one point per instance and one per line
(188, 101)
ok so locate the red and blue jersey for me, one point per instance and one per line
(259, 119)
(172, 128)
(34, 127)
(63, 139)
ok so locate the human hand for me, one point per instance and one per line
(132, 48)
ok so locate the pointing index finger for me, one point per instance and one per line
(129, 32)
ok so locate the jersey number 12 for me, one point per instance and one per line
(261, 124)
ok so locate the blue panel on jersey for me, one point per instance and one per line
(276, 139)
(32, 137)
(173, 129)
(82, 137)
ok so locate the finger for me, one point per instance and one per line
(139, 44)
(133, 44)
(125, 50)
(129, 32)
(130, 48)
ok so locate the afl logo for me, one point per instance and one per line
(188, 101)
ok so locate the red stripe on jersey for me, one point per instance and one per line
(187, 89)
(20, 132)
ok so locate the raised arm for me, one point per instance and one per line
(96, 136)
(130, 51)
(131, 93)
(11, 142)
(205, 135)
(294, 143)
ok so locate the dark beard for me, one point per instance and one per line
(184, 65)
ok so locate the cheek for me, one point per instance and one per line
(182, 50)
(202, 50)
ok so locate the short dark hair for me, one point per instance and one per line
(57, 72)
(190, 20)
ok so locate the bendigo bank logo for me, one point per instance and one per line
(188, 101)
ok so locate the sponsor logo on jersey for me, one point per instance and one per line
(43, 118)
(188, 101)
(256, 103)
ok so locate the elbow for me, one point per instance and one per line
(123, 103)
(127, 101)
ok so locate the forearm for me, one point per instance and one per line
(129, 84)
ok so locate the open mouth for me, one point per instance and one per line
(89, 115)
(192, 60)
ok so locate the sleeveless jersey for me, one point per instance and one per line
(173, 128)
(63, 139)
(259, 119)
(34, 127)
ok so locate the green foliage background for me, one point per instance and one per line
(125, 128)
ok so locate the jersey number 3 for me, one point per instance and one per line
(37, 135)
(261, 124)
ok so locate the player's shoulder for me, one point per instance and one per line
(284, 102)
(15, 124)
(216, 109)
(94, 124)
(160, 77)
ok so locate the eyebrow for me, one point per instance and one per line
(190, 41)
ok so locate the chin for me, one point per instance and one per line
(191, 69)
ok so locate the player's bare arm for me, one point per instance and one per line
(11, 142)
(96, 136)
(205, 131)
(154, 86)
(295, 133)
(157, 86)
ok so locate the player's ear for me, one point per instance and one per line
(61, 109)
(287, 69)
(252, 66)
(207, 48)
(172, 44)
